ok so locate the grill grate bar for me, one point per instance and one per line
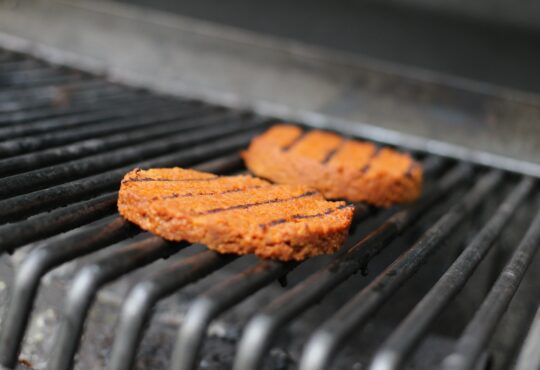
(208, 305)
(364, 251)
(90, 279)
(433, 166)
(19, 82)
(61, 98)
(409, 333)
(47, 176)
(19, 65)
(7, 56)
(46, 224)
(145, 295)
(51, 93)
(60, 108)
(68, 138)
(60, 249)
(15, 235)
(98, 116)
(262, 329)
(33, 74)
(46, 256)
(47, 81)
(478, 331)
(151, 116)
(529, 358)
(325, 342)
(20, 206)
(92, 146)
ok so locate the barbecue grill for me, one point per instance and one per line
(448, 282)
(69, 137)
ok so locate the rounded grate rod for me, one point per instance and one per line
(262, 329)
(409, 333)
(477, 333)
(325, 342)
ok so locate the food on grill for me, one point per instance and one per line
(234, 214)
(340, 168)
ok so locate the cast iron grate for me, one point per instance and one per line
(66, 140)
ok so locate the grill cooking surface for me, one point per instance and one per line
(68, 138)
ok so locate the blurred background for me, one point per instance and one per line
(457, 71)
(492, 41)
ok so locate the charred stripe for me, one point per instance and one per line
(249, 205)
(303, 217)
(295, 141)
(374, 155)
(150, 179)
(410, 169)
(176, 195)
(332, 152)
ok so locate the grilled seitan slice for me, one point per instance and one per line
(234, 214)
(340, 168)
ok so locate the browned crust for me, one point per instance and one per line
(338, 167)
(234, 214)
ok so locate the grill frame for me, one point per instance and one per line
(53, 191)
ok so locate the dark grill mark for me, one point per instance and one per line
(275, 222)
(332, 152)
(373, 156)
(249, 205)
(412, 166)
(185, 195)
(327, 212)
(303, 217)
(150, 179)
(295, 141)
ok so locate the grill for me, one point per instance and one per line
(67, 138)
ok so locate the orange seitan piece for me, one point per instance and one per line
(234, 214)
(338, 167)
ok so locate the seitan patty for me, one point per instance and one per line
(340, 168)
(234, 214)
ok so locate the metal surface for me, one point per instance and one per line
(301, 82)
(55, 251)
(407, 335)
(118, 110)
(61, 166)
(45, 177)
(20, 206)
(41, 158)
(484, 322)
(43, 258)
(141, 299)
(529, 358)
(326, 340)
(90, 279)
(46, 224)
(216, 300)
(262, 329)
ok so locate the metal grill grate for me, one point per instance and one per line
(67, 139)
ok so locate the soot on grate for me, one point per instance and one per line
(416, 286)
